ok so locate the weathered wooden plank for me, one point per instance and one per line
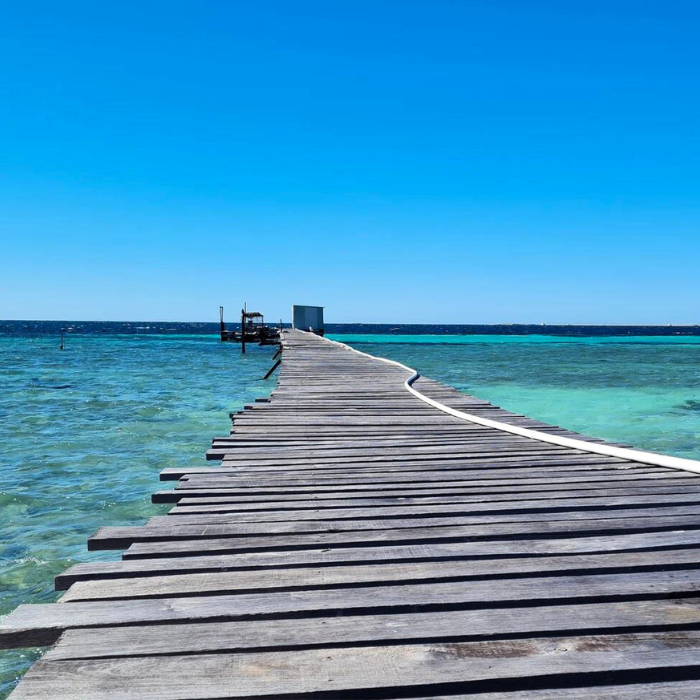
(687, 689)
(41, 624)
(453, 506)
(555, 465)
(452, 626)
(541, 491)
(369, 521)
(434, 552)
(230, 454)
(444, 463)
(390, 473)
(460, 666)
(609, 484)
(597, 479)
(472, 462)
(220, 538)
(219, 582)
(393, 481)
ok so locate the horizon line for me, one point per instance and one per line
(374, 323)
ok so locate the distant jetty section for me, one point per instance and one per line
(254, 330)
(372, 534)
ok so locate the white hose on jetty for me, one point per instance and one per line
(653, 458)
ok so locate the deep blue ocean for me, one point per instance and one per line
(85, 431)
(48, 328)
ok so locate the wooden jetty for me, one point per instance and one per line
(356, 542)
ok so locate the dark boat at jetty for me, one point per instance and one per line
(253, 329)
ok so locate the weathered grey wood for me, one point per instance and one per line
(360, 556)
(206, 583)
(520, 465)
(218, 538)
(341, 455)
(453, 506)
(688, 689)
(497, 466)
(455, 625)
(378, 464)
(473, 462)
(583, 485)
(41, 624)
(465, 666)
(371, 521)
(540, 491)
(388, 476)
(597, 478)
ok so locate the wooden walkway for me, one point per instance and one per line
(358, 543)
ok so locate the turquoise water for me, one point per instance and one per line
(476, 339)
(76, 458)
(641, 390)
(87, 455)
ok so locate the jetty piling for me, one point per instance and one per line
(359, 543)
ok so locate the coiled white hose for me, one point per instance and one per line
(653, 458)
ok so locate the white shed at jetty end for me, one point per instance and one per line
(308, 318)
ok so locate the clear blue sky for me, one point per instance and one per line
(449, 161)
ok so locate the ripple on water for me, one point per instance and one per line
(87, 456)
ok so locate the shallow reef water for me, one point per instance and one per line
(85, 431)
